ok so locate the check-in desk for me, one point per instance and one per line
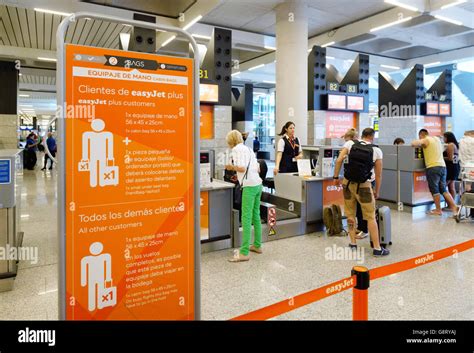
(11, 167)
(299, 201)
(322, 159)
(216, 215)
(404, 178)
(313, 193)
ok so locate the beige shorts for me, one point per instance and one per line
(364, 195)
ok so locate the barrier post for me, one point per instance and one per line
(360, 293)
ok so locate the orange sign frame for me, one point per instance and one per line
(129, 187)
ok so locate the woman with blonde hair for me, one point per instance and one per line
(247, 168)
(350, 134)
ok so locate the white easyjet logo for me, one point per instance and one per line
(340, 286)
(424, 259)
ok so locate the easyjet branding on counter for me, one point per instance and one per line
(420, 178)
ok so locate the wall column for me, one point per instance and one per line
(292, 66)
(8, 105)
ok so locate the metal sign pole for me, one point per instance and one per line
(62, 207)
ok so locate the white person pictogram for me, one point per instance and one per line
(96, 270)
(98, 155)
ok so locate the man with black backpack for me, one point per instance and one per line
(363, 166)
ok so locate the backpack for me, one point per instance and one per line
(332, 217)
(361, 162)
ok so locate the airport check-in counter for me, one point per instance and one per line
(313, 192)
(217, 198)
(11, 167)
(305, 191)
(404, 176)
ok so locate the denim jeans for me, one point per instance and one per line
(436, 177)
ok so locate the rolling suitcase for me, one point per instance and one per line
(384, 223)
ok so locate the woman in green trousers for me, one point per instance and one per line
(247, 168)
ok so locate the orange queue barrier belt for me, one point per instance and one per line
(300, 300)
(418, 261)
(328, 290)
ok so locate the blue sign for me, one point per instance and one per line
(5, 171)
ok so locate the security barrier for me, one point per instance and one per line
(359, 282)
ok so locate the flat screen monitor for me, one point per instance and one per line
(336, 102)
(208, 93)
(355, 103)
(444, 109)
(431, 108)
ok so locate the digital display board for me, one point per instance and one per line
(208, 93)
(355, 103)
(444, 109)
(336, 102)
(431, 108)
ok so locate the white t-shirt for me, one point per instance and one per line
(241, 156)
(378, 154)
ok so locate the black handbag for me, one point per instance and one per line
(239, 187)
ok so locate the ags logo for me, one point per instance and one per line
(134, 63)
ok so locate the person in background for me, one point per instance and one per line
(51, 143)
(451, 158)
(30, 151)
(399, 141)
(362, 230)
(466, 148)
(364, 166)
(435, 170)
(245, 135)
(247, 168)
(256, 144)
(466, 155)
(288, 150)
(350, 135)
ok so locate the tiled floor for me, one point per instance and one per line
(440, 290)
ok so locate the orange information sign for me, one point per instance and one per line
(434, 125)
(337, 123)
(207, 122)
(129, 186)
(332, 194)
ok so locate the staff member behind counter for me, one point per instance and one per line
(288, 150)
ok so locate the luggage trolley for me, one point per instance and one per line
(467, 198)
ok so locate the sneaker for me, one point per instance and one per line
(361, 235)
(239, 258)
(381, 252)
(353, 246)
(256, 250)
(43, 168)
